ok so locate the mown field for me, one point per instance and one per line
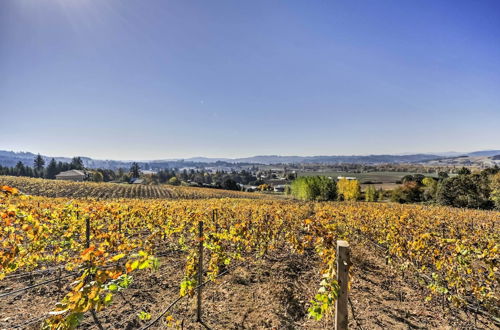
(267, 263)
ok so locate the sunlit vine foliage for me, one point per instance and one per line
(457, 248)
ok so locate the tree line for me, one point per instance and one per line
(479, 190)
(199, 177)
(39, 170)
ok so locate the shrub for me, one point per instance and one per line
(97, 176)
(409, 192)
(230, 184)
(371, 194)
(174, 181)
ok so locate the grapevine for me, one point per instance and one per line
(457, 249)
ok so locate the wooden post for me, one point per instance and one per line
(200, 270)
(343, 264)
(214, 220)
(87, 233)
(59, 283)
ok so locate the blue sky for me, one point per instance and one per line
(158, 79)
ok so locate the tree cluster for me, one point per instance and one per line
(349, 190)
(318, 188)
(219, 179)
(466, 189)
(39, 170)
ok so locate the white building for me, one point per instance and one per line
(346, 177)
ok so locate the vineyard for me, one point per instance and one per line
(53, 188)
(95, 251)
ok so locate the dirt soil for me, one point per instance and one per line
(270, 293)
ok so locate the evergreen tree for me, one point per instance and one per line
(38, 165)
(52, 169)
(76, 163)
(29, 172)
(135, 170)
(20, 170)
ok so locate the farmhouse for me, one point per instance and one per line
(346, 177)
(73, 175)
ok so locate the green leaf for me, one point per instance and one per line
(108, 299)
(144, 316)
(112, 287)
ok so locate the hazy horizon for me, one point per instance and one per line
(180, 79)
(246, 156)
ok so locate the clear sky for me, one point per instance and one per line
(135, 79)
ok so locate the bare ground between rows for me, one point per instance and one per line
(269, 293)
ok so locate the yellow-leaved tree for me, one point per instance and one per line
(348, 190)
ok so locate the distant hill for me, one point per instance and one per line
(477, 158)
(486, 153)
(370, 159)
(10, 158)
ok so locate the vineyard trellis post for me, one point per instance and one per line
(89, 265)
(87, 232)
(200, 271)
(59, 283)
(343, 264)
(214, 220)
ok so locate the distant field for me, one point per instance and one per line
(55, 188)
(384, 179)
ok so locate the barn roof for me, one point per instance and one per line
(71, 173)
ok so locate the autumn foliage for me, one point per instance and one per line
(456, 249)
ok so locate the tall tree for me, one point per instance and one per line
(135, 170)
(77, 163)
(349, 190)
(39, 163)
(52, 169)
(20, 170)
